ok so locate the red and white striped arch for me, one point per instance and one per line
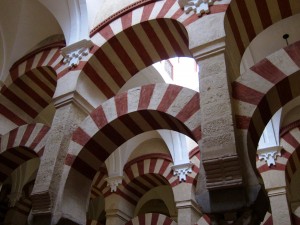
(263, 89)
(21, 144)
(135, 189)
(47, 56)
(125, 54)
(99, 184)
(30, 85)
(244, 20)
(136, 39)
(194, 156)
(150, 107)
(290, 142)
(144, 10)
(144, 173)
(150, 219)
(142, 169)
(140, 175)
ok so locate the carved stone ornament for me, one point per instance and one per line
(113, 182)
(182, 170)
(269, 154)
(198, 6)
(75, 52)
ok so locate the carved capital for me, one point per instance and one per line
(182, 170)
(75, 52)
(198, 6)
(113, 182)
(269, 154)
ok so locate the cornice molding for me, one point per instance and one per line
(114, 182)
(185, 204)
(73, 97)
(119, 14)
(210, 49)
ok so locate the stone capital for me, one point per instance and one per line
(182, 170)
(113, 182)
(75, 52)
(188, 204)
(209, 49)
(269, 154)
(117, 213)
(276, 191)
(73, 97)
(198, 6)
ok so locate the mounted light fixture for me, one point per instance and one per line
(285, 37)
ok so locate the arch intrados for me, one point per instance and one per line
(141, 184)
(99, 183)
(244, 21)
(256, 103)
(114, 124)
(126, 53)
(260, 47)
(37, 87)
(285, 97)
(159, 177)
(290, 163)
(102, 153)
(12, 158)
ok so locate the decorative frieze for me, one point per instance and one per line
(269, 154)
(113, 182)
(198, 6)
(182, 170)
(75, 52)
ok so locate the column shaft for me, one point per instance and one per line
(279, 206)
(218, 146)
(47, 186)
